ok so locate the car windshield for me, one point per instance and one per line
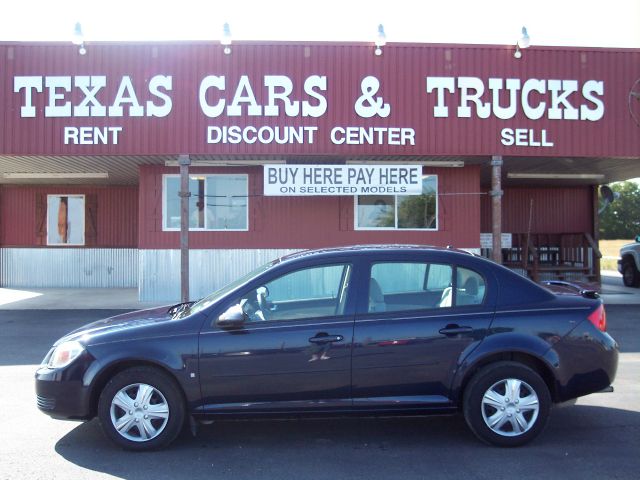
(218, 294)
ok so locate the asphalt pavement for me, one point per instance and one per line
(599, 437)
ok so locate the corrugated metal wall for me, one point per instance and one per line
(117, 211)
(159, 272)
(68, 267)
(555, 210)
(314, 222)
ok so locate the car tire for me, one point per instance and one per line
(492, 412)
(141, 408)
(630, 275)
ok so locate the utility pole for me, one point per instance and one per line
(184, 161)
(496, 207)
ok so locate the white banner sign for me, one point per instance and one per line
(486, 240)
(305, 180)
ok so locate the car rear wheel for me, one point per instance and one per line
(630, 275)
(141, 408)
(507, 404)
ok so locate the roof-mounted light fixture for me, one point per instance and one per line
(225, 163)
(425, 163)
(555, 176)
(381, 40)
(78, 39)
(53, 175)
(226, 39)
(523, 42)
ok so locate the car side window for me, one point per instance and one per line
(308, 293)
(470, 287)
(398, 286)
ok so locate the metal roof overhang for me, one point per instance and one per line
(124, 170)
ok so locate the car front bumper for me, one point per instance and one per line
(61, 394)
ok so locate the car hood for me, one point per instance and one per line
(139, 319)
(630, 246)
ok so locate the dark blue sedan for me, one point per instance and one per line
(377, 330)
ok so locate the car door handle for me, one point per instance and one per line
(455, 330)
(319, 339)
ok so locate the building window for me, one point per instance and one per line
(217, 202)
(65, 219)
(400, 212)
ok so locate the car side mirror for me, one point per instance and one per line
(234, 316)
(638, 238)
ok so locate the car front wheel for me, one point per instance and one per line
(630, 275)
(507, 404)
(141, 409)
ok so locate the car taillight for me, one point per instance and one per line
(599, 318)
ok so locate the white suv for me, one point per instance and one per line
(629, 263)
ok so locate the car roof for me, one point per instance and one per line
(369, 249)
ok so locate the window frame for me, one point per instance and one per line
(356, 227)
(165, 178)
(84, 219)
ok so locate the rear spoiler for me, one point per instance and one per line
(579, 290)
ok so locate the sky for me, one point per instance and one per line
(589, 23)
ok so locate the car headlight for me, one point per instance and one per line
(64, 354)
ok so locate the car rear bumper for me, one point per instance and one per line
(61, 398)
(589, 362)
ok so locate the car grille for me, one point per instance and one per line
(45, 403)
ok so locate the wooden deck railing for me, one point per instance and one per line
(557, 255)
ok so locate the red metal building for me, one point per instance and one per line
(90, 146)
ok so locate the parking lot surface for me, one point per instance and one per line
(599, 437)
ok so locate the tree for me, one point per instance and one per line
(417, 211)
(621, 219)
